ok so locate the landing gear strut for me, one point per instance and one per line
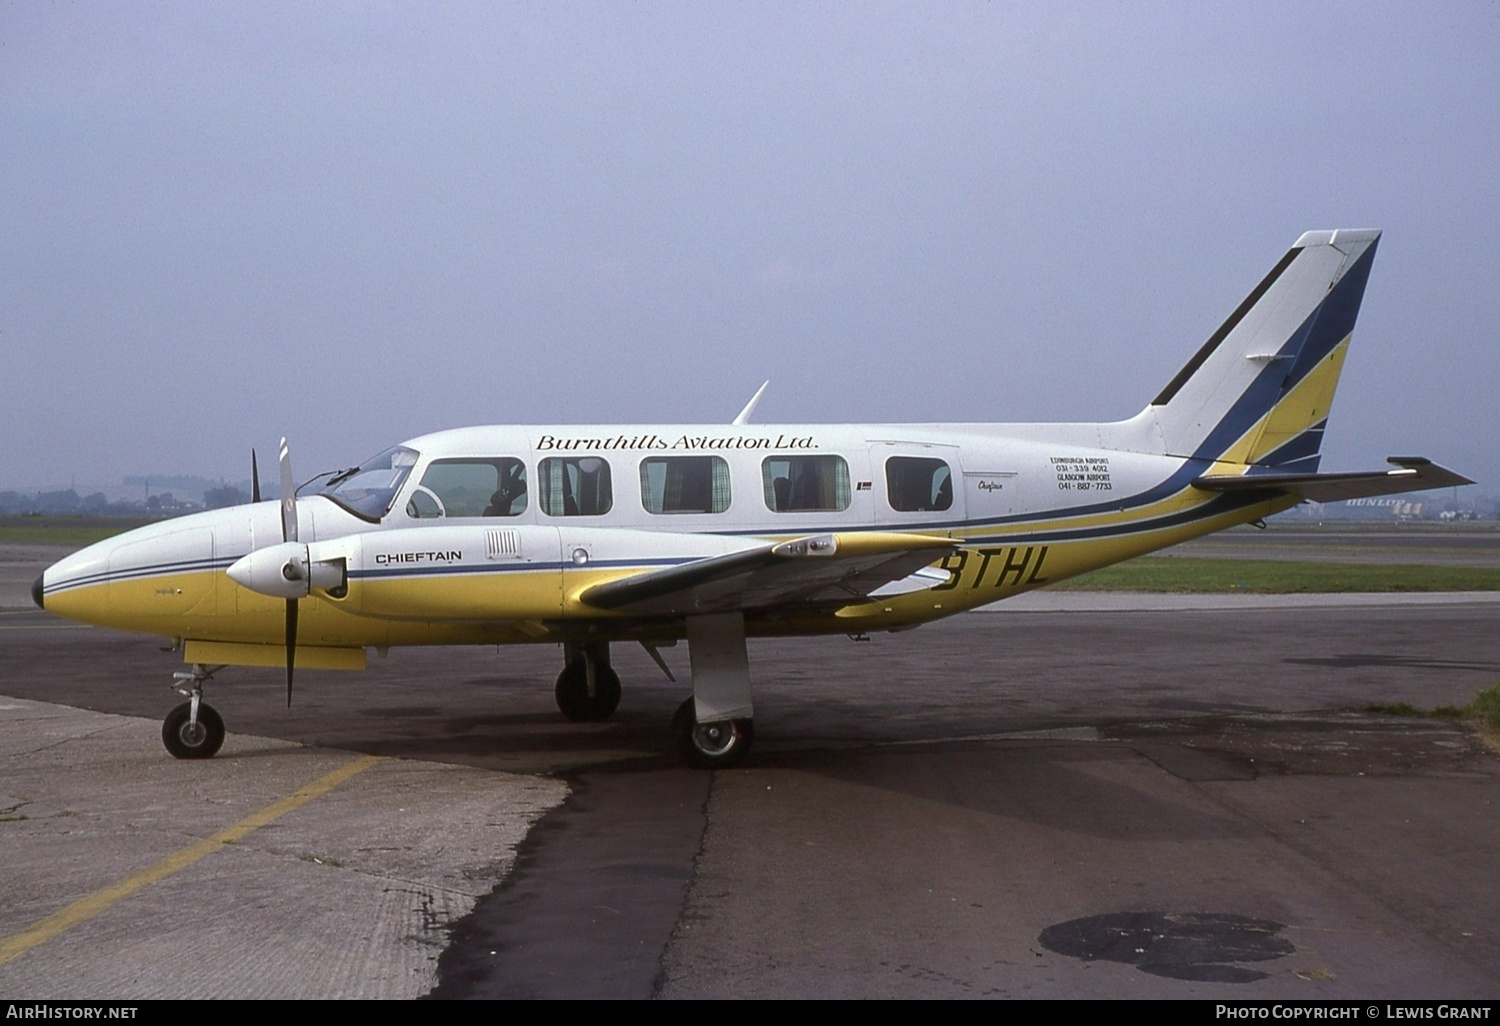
(714, 729)
(588, 690)
(193, 730)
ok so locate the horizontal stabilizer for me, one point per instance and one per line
(1413, 474)
(826, 568)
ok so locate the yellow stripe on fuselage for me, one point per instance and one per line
(988, 573)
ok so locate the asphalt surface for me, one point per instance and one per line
(1044, 802)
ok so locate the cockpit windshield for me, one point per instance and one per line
(369, 489)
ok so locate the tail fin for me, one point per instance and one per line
(1256, 396)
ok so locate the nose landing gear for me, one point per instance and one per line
(193, 730)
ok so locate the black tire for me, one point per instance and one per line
(187, 742)
(573, 693)
(710, 745)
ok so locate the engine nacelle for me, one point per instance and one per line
(285, 571)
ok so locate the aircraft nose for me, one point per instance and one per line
(36, 591)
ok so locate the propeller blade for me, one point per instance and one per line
(288, 496)
(291, 646)
(254, 478)
(289, 534)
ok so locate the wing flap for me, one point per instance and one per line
(1412, 474)
(817, 569)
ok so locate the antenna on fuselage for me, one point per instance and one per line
(744, 417)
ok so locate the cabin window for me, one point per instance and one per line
(685, 484)
(574, 486)
(918, 484)
(470, 488)
(800, 483)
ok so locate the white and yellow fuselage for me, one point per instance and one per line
(514, 534)
(1022, 512)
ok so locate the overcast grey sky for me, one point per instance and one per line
(351, 224)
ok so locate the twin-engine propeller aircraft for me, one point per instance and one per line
(588, 536)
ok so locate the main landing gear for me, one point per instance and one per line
(712, 730)
(588, 690)
(193, 730)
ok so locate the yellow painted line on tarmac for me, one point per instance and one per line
(86, 908)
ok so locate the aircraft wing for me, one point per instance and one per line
(1412, 474)
(818, 569)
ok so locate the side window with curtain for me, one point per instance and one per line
(795, 484)
(574, 486)
(685, 484)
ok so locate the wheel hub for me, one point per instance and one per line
(714, 738)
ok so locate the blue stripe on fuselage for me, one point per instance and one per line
(131, 573)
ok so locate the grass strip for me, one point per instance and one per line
(1275, 576)
(1483, 713)
(61, 535)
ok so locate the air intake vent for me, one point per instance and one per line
(502, 544)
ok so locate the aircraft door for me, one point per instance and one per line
(528, 564)
(917, 484)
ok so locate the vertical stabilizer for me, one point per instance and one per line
(1257, 394)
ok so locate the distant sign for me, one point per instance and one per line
(1383, 506)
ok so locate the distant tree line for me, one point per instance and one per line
(70, 503)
